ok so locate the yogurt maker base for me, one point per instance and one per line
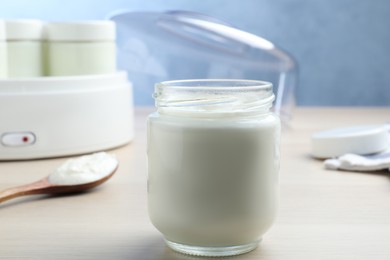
(61, 116)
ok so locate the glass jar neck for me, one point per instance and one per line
(214, 98)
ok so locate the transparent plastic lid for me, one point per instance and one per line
(174, 45)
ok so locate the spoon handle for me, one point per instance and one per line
(37, 187)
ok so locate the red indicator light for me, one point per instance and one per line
(25, 139)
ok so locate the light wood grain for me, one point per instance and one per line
(323, 214)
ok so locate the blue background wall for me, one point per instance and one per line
(342, 46)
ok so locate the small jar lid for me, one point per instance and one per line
(2, 30)
(358, 140)
(24, 29)
(81, 31)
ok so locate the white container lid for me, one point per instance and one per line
(24, 29)
(2, 30)
(358, 140)
(81, 31)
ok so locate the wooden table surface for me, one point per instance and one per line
(322, 215)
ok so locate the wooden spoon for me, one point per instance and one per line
(45, 187)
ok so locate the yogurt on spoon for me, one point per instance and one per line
(75, 175)
(84, 169)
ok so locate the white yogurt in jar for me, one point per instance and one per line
(25, 48)
(213, 166)
(3, 51)
(81, 48)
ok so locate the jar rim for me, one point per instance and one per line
(215, 84)
(214, 97)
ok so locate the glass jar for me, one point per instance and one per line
(24, 46)
(80, 48)
(3, 51)
(213, 158)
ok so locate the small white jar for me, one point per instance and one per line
(24, 43)
(213, 156)
(3, 51)
(81, 48)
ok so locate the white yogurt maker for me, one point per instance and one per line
(58, 116)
